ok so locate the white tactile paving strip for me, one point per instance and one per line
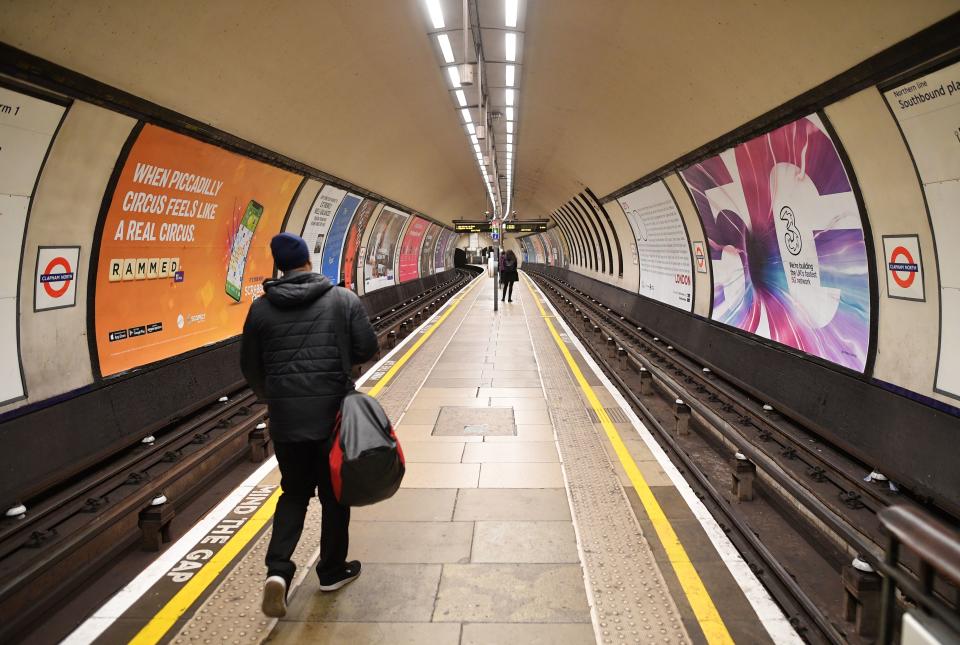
(629, 597)
(231, 614)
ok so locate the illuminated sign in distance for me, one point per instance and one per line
(526, 226)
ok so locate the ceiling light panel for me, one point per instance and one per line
(436, 13)
(454, 75)
(445, 48)
(510, 45)
(509, 96)
(465, 113)
(511, 8)
(510, 73)
(462, 99)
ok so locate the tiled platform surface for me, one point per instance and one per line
(478, 546)
(515, 523)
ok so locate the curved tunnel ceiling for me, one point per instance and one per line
(613, 89)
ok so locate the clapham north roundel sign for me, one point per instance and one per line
(904, 267)
(56, 282)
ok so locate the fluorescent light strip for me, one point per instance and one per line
(461, 98)
(445, 48)
(509, 95)
(509, 114)
(436, 13)
(510, 12)
(510, 45)
(465, 113)
(509, 138)
(473, 138)
(454, 75)
(510, 72)
(509, 127)
(471, 129)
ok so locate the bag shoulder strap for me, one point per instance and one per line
(341, 313)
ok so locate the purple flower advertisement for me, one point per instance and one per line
(786, 242)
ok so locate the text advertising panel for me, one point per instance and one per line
(786, 242)
(440, 254)
(663, 250)
(409, 268)
(382, 250)
(351, 247)
(430, 239)
(333, 246)
(185, 248)
(318, 222)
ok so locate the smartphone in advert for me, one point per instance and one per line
(241, 247)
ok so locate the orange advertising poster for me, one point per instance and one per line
(185, 248)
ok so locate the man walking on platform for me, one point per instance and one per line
(291, 359)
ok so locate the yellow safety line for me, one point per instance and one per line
(705, 611)
(163, 620)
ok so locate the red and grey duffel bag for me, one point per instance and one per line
(366, 461)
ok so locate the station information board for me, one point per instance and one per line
(463, 226)
(526, 226)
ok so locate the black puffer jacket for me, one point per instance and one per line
(290, 356)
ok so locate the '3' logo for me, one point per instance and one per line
(792, 237)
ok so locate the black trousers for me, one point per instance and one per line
(305, 469)
(507, 290)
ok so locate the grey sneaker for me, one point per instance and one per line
(275, 597)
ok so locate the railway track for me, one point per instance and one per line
(715, 430)
(65, 536)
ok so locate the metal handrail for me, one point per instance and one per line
(938, 548)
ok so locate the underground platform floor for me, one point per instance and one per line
(517, 521)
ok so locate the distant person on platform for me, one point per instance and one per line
(291, 359)
(508, 274)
